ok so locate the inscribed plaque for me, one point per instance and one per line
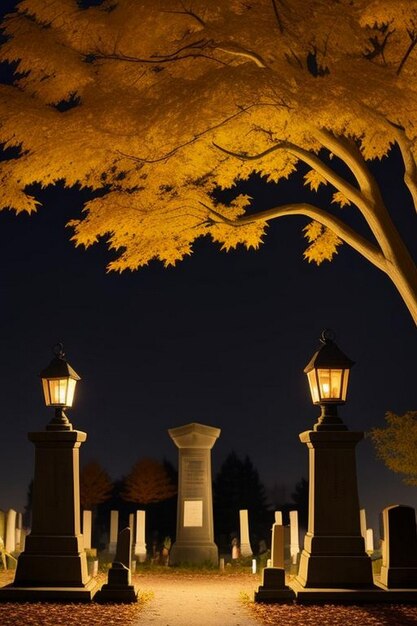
(193, 513)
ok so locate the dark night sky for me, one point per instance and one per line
(222, 339)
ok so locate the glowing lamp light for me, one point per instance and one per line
(328, 377)
(59, 380)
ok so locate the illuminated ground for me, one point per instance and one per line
(190, 598)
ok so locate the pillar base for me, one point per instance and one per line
(194, 554)
(398, 577)
(335, 571)
(376, 595)
(14, 593)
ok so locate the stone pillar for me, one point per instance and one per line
(195, 534)
(10, 543)
(114, 531)
(54, 561)
(245, 549)
(87, 526)
(334, 552)
(140, 545)
(399, 548)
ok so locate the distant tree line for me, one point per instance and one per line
(152, 485)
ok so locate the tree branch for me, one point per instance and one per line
(413, 42)
(310, 159)
(410, 168)
(342, 230)
(277, 16)
(238, 51)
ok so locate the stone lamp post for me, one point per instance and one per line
(334, 556)
(53, 565)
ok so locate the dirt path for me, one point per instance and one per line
(187, 601)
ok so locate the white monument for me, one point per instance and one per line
(140, 545)
(245, 549)
(87, 527)
(114, 531)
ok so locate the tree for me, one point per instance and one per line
(396, 444)
(156, 105)
(148, 482)
(300, 499)
(237, 486)
(95, 485)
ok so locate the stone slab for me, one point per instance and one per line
(125, 595)
(375, 595)
(49, 594)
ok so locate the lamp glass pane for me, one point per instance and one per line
(58, 391)
(314, 390)
(345, 384)
(46, 393)
(330, 383)
(70, 391)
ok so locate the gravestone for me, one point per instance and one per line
(10, 542)
(369, 541)
(114, 527)
(195, 533)
(2, 525)
(277, 546)
(87, 525)
(245, 549)
(132, 525)
(278, 517)
(140, 545)
(119, 586)
(19, 533)
(294, 536)
(399, 548)
(273, 588)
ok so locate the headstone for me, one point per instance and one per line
(273, 588)
(369, 541)
(10, 542)
(119, 586)
(132, 525)
(277, 546)
(87, 526)
(195, 533)
(278, 518)
(362, 517)
(399, 548)
(245, 549)
(235, 548)
(19, 533)
(140, 545)
(123, 549)
(2, 525)
(294, 537)
(114, 527)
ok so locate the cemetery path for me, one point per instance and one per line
(190, 601)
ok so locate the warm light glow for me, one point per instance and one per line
(328, 384)
(59, 391)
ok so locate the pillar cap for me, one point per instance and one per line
(194, 435)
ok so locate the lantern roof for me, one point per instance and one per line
(59, 367)
(328, 355)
